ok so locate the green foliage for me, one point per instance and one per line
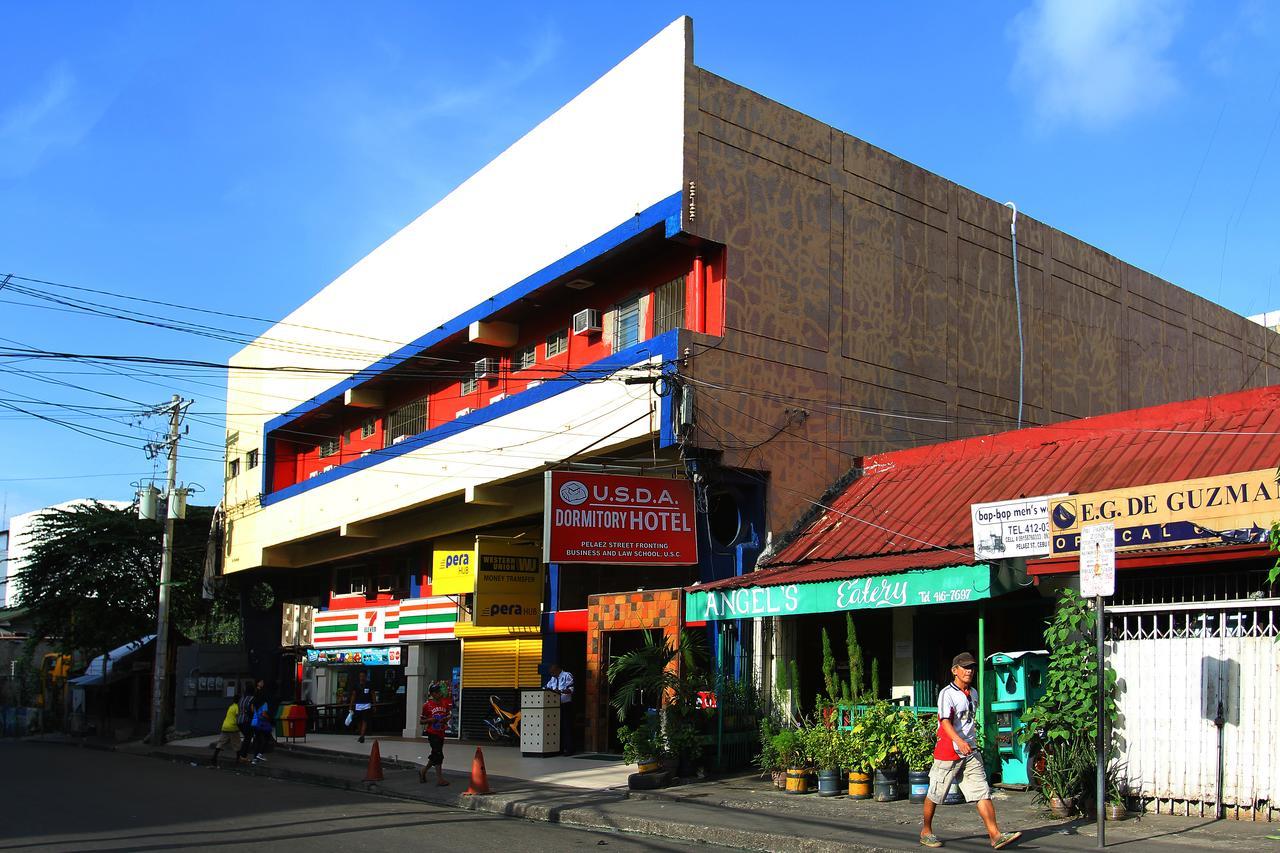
(919, 739)
(1273, 538)
(854, 651)
(1068, 765)
(873, 686)
(790, 748)
(1068, 710)
(885, 731)
(822, 746)
(769, 759)
(640, 743)
(853, 755)
(93, 575)
(659, 672)
(829, 669)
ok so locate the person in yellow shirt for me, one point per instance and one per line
(230, 733)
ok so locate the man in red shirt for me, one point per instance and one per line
(435, 722)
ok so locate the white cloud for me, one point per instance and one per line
(49, 118)
(1095, 62)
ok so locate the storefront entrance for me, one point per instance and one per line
(618, 643)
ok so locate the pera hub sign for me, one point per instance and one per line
(619, 519)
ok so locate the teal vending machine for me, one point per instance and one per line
(1018, 680)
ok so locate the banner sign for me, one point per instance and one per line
(1231, 508)
(413, 619)
(453, 563)
(385, 656)
(906, 589)
(619, 520)
(1015, 528)
(1098, 560)
(508, 591)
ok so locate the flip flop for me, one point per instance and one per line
(930, 840)
(443, 782)
(1005, 839)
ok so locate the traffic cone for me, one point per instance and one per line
(374, 773)
(479, 778)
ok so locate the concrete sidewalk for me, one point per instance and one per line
(742, 812)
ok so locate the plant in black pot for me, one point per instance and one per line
(919, 740)
(824, 755)
(1117, 806)
(882, 732)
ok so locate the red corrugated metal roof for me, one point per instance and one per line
(834, 570)
(910, 503)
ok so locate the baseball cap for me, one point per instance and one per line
(963, 659)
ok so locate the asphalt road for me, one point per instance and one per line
(55, 798)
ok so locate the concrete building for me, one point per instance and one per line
(671, 276)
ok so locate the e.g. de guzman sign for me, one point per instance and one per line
(955, 584)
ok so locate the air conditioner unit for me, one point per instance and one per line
(496, 397)
(365, 452)
(487, 367)
(326, 469)
(587, 320)
(462, 413)
(312, 475)
(534, 383)
(398, 439)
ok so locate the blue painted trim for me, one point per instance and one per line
(663, 213)
(663, 346)
(553, 577)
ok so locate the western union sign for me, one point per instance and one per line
(1231, 508)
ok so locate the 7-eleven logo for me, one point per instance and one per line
(370, 625)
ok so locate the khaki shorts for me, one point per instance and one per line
(972, 775)
(226, 739)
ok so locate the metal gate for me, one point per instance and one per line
(1180, 667)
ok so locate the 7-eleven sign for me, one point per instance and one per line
(372, 624)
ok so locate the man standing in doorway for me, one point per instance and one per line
(956, 755)
(362, 704)
(562, 682)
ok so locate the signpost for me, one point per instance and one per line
(1098, 580)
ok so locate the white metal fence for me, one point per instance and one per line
(1176, 664)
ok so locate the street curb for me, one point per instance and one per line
(529, 805)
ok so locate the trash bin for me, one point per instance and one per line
(294, 721)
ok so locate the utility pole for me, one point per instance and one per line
(160, 682)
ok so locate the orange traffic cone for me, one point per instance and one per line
(374, 773)
(479, 778)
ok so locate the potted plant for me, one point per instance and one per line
(641, 746)
(824, 754)
(853, 757)
(881, 739)
(1060, 778)
(917, 751)
(794, 753)
(770, 758)
(1117, 801)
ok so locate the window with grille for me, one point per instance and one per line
(251, 459)
(468, 385)
(328, 447)
(627, 325)
(409, 419)
(668, 306)
(366, 428)
(525, 358)
(557, 342)
(233, 469)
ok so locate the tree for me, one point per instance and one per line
(93, 573)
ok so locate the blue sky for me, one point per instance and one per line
(240, 156)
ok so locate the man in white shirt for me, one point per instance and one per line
(956, 757)
(562, 682)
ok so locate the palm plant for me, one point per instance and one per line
(659, 669)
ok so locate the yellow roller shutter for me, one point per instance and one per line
(509, 664)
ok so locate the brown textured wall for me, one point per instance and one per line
(878, 298)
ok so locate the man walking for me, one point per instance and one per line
(362, 697)
(956, 756)
(562, 682)
(435, 722)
